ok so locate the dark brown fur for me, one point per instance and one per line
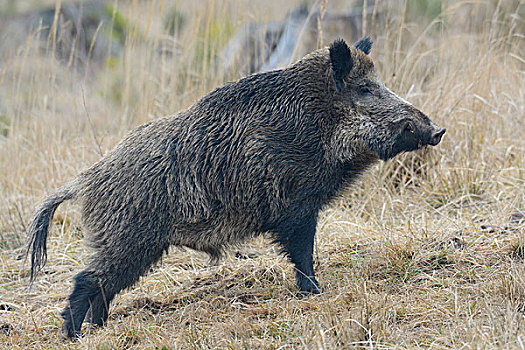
(261, 155)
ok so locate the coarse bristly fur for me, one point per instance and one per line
(261, 155)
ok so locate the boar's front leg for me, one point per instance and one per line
(297, 240)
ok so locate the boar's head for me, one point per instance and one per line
(370, 115)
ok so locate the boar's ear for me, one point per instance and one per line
(341, 60)
(364, 44)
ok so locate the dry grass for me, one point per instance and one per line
(421, 253)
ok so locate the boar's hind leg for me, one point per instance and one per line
(297, 239)
(113, 268)
(89, 296)
(84, 290)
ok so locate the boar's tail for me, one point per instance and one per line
(40, 226)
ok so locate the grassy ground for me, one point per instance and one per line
(425, 251)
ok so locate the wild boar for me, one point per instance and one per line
(264, 154)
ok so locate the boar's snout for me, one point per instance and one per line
(436, 136)
(414, 134)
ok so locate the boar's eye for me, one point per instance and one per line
(365, 90)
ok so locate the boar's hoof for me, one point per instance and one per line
(308, 285)
(69, 333)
